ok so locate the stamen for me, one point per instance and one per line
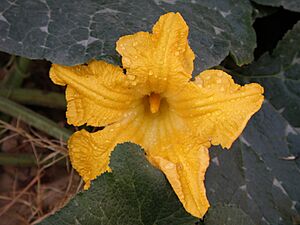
(154, 101)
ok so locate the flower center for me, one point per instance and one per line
(154, 102)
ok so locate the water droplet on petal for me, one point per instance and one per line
(150, 72)
(177, 53)
(169, 166)
(134, 44)
(199, 82)
(179, 166)
(126, 61)
(219, 81)
(131, 77)
(122, 46)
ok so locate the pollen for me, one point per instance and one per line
(154, 102)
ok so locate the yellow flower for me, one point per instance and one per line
(156, 106)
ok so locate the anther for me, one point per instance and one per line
(154, 101)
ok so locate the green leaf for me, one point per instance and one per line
(293, 5)
(227, 215)
(279, 73)
(73, 31)
(261, 173)
(135, 193)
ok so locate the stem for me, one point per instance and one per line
(35, 97)
(18, 73)
(33, 119)
(17, 159)
(15, 77)
(21, 160)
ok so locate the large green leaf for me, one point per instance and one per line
(293, 5)
(279, 73)
(260, 174)
(227, 215)
(74, 31)
(135, 193)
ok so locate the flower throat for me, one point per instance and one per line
(154, 102)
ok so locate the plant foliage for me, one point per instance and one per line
(256, 182)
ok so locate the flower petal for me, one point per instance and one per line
(170, 147)
(156, 57)
(216, 107)
(184, 162)
(90, 152)
(97, 94)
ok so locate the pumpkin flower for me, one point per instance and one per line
(152, 102)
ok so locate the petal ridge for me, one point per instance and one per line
(184, 165)
(156, 57)
(216, 107)
(97, 94)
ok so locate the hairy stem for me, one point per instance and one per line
(21, 159)
(33, 119)
(17, 74)
(35, 97)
